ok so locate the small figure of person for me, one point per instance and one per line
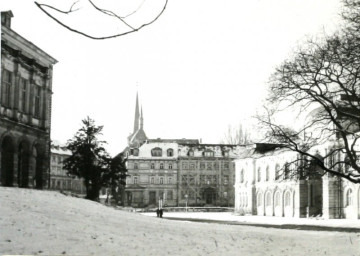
(161, 212)
(158, 212)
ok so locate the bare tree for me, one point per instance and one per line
(56, 14)
(236, 135)
(323, 80)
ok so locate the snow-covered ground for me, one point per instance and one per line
(49, 223)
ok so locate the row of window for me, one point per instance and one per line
(206, 166)
(155, 180)
(284, 173)
(191, 166)
(203, 179)
(29, 95)
(152, 166)
(158, 152)
(268, 200)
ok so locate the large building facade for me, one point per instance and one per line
(264, 187)
(25, 110)
(177, 172)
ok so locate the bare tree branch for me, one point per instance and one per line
(133, 29)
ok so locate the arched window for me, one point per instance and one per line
(191, 153)
(286, 171)
(347, 164)
(277, 198)
(161, 180)
(259, 199)
(348, 199)
(259, 174)
(161, 166)
(277, 172)
(268, 199)
(152, 180)
(267, 175)
(152, 166)
(287, 198)
(170, 152)
(156, 152)
(135, 166)
(170, 166)
(135, 180)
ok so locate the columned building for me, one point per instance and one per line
(25, 110)
(265, 186)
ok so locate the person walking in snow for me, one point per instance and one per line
(158, 212)
(161, 213)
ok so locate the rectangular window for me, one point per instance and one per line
(7, 84)
(169, 195)
(37, 93)
(192, 166)
(185, 166)
(22, 95)
(226, 180)
(170, 180)
(136, 166)
(152, 166)
(202, 166)
(209, 166)
(170, 166)
(202, 179)
(152, 180)
(135, 180)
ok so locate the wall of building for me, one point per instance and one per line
(177, 178)
(25, 110)
(59, 179)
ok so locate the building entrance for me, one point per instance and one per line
(210, 196)
(152, 197)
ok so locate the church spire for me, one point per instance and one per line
(136, 120)
(141, 120)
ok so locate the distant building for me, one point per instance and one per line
(59, 179)
(177, 172)
(25, 110)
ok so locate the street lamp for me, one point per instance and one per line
(186, 202)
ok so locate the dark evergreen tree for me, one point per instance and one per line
(90, 161)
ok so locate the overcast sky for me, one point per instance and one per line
(201, 67)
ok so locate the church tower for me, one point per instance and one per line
(138, 136)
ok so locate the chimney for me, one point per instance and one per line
(6, 18)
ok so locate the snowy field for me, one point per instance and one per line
(49, 223)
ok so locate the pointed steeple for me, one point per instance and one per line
(136, 120)
(141, 120)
